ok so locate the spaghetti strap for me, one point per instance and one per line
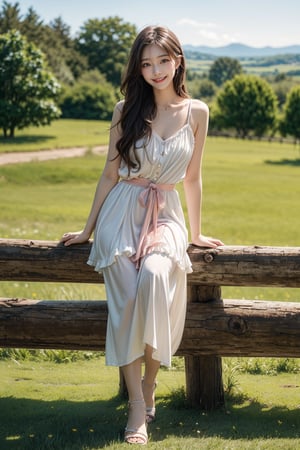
(189, 112)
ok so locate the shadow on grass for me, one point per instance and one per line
(35, 424)
(32, 139)
(284, 162)
(241, 418)
(39, 425)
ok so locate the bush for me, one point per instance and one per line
(92, 98)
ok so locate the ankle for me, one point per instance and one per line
(136, 413)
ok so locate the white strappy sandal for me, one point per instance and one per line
(136, 435)
(150, 410)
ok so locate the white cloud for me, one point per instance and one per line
(204, 33)
(194, 23)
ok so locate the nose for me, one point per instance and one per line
(155, 69)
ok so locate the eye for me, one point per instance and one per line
(145, 64)
(165, 60)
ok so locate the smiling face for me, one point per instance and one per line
(157, 67)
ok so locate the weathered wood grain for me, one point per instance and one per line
(28, 260)
(219, 327)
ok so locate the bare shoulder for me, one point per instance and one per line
(199, 114)
(117, 112)
(199, 109)
(119, 106)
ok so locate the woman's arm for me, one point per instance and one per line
(193, 178)
(107, 181)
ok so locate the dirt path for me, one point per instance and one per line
(45, 155)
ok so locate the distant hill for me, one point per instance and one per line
(243, 51)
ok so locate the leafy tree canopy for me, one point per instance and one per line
(291, 120)
(92, 97)
(106, 44)
(54, 40)
(27, 89)
(247, 103)
(224, 69)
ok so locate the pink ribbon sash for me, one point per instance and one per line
(152, 199)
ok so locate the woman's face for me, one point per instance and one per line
(157, 67)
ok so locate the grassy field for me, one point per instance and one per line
(251, 197)
(201, 67)
(60, 134)
(76, 406)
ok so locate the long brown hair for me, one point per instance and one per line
(139, 107)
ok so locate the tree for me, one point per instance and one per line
(10, 17)
(224, 69)
(290, 123)
(54, 40)
(106, 45)
(27, 90)
(66, 62)
(92, 97)
(247, 103)
(203, 89)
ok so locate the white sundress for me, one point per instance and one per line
(146, 298)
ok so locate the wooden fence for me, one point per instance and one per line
(214, 327)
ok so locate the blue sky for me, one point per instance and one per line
(211, 22)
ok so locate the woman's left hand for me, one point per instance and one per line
(205, 241)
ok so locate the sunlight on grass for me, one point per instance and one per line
(76, 406)
(246, 200)
(60, 400)
(61, 133)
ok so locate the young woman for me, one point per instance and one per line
(140, 238)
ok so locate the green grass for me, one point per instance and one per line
(61, 133)
(251, 197)
(201, 67)
(76, 406)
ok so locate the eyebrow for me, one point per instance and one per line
(159, 56)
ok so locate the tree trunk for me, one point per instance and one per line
(12, 132)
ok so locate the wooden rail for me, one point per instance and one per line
(214, 327)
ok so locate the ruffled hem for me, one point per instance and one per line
(99, 264)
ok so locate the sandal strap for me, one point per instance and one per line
(150, 415)
(131, 433)
(150, 411)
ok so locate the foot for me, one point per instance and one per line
(135, 431)
(149, 396)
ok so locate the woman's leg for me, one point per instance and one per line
(149, 383)
(135, 432)
(125, 341)
(132, 373)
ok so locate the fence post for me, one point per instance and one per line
(204, 385)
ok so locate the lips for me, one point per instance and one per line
(159, 80)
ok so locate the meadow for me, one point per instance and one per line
(250, 66)
(60, 134)
(69, 400)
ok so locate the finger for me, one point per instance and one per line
(69, 241)
(64, 238)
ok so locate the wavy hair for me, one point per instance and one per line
(139, 107)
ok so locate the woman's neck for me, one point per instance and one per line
(168, 101)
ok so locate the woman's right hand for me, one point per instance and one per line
(79, 237)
